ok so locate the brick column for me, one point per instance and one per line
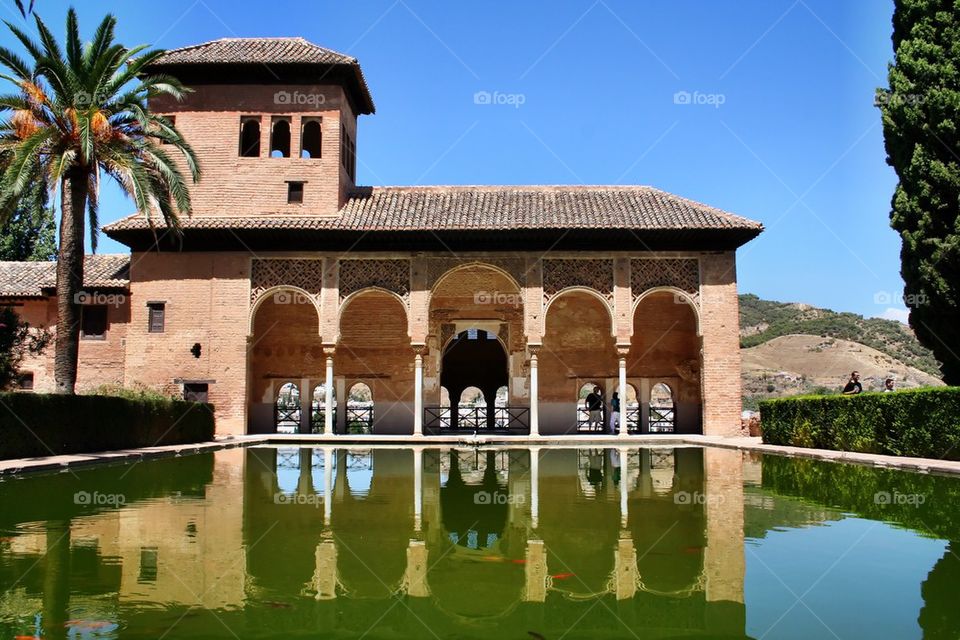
(720, 328)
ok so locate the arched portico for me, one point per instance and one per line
(665, 349)
(284, 348)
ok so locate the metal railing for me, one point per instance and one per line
(359, 419)
(477, 419)
(287, 417)
(662, 419)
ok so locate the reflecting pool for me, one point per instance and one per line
(300, 542)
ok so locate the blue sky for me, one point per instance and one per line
(780, 124)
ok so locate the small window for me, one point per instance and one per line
(348, 153)
(250, 137)
(93, 322)
(280, 138)
(25, 381)
(148, 565)
(310, 139)
(195, 391)
(172, 120)
(294, 193)
(156, 312)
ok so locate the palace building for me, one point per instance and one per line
(296, 300)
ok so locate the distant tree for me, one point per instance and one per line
(921, 115)
(30, 233)
(17, 339)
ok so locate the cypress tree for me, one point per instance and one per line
(921, 115)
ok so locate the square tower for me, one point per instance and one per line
(273, 122)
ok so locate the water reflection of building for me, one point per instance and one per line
(505, 539)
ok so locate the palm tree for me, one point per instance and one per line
(78, 112)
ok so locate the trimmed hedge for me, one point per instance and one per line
(38, 424)
(918, 422)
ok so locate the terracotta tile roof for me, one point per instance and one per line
(376, 209)
(255, 51)
(30, 279)
(266, 52)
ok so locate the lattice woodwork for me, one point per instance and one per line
(392, 275)
(680, 273)
(304, 274)
(560, 273)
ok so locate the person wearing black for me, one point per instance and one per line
(853, 385)
(594, 404)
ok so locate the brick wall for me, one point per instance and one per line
(720, 326)
(207, 303)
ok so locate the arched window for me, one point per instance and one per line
(472, 408)
(318, 408)
(588, 420)
(360, 409)
(250, 137)
(280, 138)
(288, 408)
(662, 409)
(310, 139)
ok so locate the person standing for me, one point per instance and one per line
(615, 413)
(853, 386)
(594, 404)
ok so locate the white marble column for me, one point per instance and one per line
(328, 455)
(534, 393)
(534, 487)
(328, 401)
(418, 392)
(417, 489)
(622, 390)
(624, 475)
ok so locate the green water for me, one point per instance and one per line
(480, 543)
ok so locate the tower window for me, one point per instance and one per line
(310, 138)
(250, 137)
(280, 138)
(348, 153)
(294, 193)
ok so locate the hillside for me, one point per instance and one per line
(764, 320)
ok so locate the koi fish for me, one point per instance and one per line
(535, 635)
(494, 558)
(88, 624)
(279, 605)
(519, 561)
(563, 576)
(27, 638)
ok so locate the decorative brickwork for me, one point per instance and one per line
(596, 274)
(303, 274)
(680, 273)
(438, 267)
(391, 275)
